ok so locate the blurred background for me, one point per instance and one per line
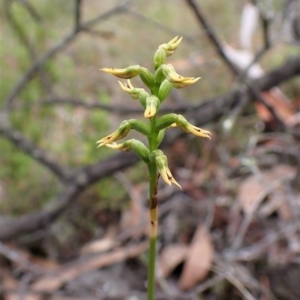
(74, 218)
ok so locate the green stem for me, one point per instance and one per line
(153, 231)
(153, 213)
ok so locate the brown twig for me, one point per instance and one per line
(17, 138)
(18, 87)
(211, 35)
(110, 108)
(31, 10)
(77, 21)
(20, 33)
(15, 257)
(215, 41)
(75, 185)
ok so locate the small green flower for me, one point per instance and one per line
(138, 147)
(173, 120)
(126, 73)
(122, 131)
(152, 105)
(147, 77)
(159, 57)
(184, 125)
(171, 46)
(172, 76)
(185, 83)
(161, 162)
(131, 90)
(165, 89)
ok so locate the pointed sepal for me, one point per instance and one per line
(127, 73)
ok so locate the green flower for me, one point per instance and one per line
(161, 162)
(152, 105)
(127, 73)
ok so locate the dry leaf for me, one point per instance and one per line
(275, 203)
(101, 245)
(199, 259)
(279, 102)
(171, 257)
(255, 188)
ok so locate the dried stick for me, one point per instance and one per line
(211, 35)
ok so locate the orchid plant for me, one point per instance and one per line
(160, 84)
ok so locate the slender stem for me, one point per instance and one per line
(153, 213)
(153, 231)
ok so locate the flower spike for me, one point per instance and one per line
(127, 73)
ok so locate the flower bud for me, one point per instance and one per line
(128, 73)
(147, 77)
(160, 136)
(181, 122)
(152, 105)
(171, 46)
(166, 121)
(159, 75)
(159, 57)
(141, 150)
(140, 126)
(164, 90)
(143, 97)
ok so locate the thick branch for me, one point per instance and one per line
(213, 109)
(215, 41)
(73, 188)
